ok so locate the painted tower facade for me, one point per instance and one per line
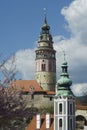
(45, 59)
(64, 103)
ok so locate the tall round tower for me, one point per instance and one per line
(45, 59)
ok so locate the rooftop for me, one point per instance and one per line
(32, 125)
(29, 86)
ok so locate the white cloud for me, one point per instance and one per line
(25, 63)
(76, 58)
(80, 89)
(76, 18)
(75, 46)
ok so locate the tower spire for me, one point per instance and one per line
(64, 55)
(45, 20)
(45, 26)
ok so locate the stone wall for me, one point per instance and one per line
(38, 101)
(82, 113)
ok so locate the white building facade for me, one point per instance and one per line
(64, 103)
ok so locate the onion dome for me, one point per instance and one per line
(64, 80)
(64, 83)
(45, 38)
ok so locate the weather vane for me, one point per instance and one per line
(45, 21)
(44, 11)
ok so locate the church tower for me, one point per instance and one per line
(45, 59)
(64, 102)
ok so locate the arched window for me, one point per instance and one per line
(60, 108)
(81, 118)
(60, 122)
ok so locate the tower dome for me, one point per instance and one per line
(64, 83)
(64, 77)
(45, 25)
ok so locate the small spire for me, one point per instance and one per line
(64, 82)
(45, 21)
(45, 27)
(64, 55)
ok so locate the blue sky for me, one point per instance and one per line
(20, 22)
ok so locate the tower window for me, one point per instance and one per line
(60, 122)
(43, 67)
(71, 109)
(60, 108)
(70, 124)
(50, 66)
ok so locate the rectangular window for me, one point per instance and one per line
(71, 109)
(43, 67)
(70, 124)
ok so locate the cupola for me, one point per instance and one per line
(45, 35)
(64, 80)
(64, 83)
(45, 25)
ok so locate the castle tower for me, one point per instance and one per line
(64, 103)
(45, 59)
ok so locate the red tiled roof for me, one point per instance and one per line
(80, 107)
(50, 92)
(32, 125)
(32, 85)
(26, 85)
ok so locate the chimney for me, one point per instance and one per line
(38, 121)
(48, 121)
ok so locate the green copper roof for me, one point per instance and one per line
(64, 93)
(64, 82)
(64, 77)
